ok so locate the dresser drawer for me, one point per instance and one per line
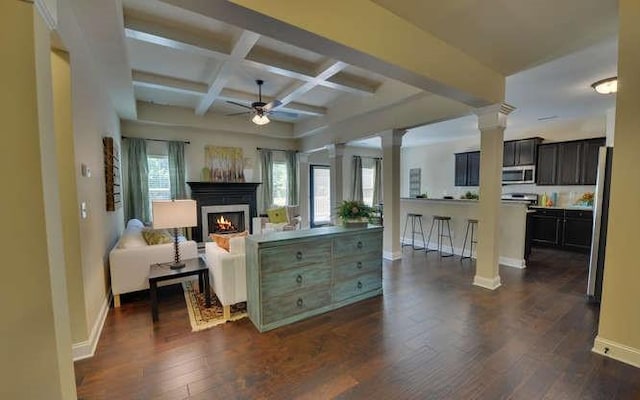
(361, 243)
(289, 280)
(358, 285)
(357, 266)
(295, 255)
(281, 307)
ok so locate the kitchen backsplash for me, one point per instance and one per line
(567, 195)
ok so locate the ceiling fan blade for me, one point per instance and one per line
(273, 104)
(238, 104)
(238, 113)
(285, 114)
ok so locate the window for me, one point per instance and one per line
(320, 195)
(280, 183)
(159, 184)
(368, 181)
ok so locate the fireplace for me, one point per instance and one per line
(236, 217)
(233, 196)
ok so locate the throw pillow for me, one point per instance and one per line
(156, 236)
(277, 215)
(223, 240)
(131, 237)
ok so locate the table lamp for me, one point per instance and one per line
(174, 214)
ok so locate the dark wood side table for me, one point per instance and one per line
(162, 272)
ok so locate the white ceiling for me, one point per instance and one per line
(161, 55)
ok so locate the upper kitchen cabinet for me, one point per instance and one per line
(590, 149)
(467, 171)
(568, 163)
(520, 152)
(547, 164)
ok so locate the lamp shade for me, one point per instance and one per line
(174, 213)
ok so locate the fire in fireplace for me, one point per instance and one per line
(228, 222)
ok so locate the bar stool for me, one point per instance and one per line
(473, 223)
(440, 221)
(413, 217)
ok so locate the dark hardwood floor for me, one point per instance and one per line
(431, 336)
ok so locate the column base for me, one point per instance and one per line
(487, 283)
(392, 255)
(617, 351)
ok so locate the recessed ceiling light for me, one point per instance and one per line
(606, 86)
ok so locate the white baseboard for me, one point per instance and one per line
(392, 256)
(87, 349)
(506, 261)
(487, 283)
(617, 351)
(512, 262)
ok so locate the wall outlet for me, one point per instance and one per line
(85, 170)
(83, 210)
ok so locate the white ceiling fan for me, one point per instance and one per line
(260, 109)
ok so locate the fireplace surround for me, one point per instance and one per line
(223, 194)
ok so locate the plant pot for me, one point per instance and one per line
(355, 223)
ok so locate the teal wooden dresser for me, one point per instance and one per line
(297, 274)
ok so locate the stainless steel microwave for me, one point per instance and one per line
(519, 175)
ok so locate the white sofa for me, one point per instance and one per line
(130, 259)
(229, 272)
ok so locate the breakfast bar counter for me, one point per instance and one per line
(513, 219)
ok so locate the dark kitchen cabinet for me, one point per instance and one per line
(589, 170)
(568, 163)
(547, 164)
(520, 152)
(562, 229)
(467, 169)
(578, 229)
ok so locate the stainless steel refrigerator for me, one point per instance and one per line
(600, 219)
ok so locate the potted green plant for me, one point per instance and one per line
(354, 213)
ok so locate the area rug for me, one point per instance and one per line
(202, 317)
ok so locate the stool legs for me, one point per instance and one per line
(471, 240)
(413, 231)
(441, 234)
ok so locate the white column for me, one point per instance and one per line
(492, 121)
(336, 155)
(303, 189)
(611, 126)
(391, 143)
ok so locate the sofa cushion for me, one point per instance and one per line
(223, 240)
(156, 236)
(277, 215)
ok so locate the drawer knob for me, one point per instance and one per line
(299, 278)
(359, 264)
(299, 255)
(359, 245)
(300, 302)
(359, 285)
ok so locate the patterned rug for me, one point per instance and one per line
(202, 317)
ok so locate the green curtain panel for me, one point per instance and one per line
(136, 188)
(292, 173)
(356, 188)
(176, 170)
(377, 182)
(266, 167)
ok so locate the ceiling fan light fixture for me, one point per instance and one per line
(259, 119)
(606, 86)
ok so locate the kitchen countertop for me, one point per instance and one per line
(584, 208)
(462, 201)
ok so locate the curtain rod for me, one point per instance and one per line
(157, 140)
(371, 158)
(264, 148)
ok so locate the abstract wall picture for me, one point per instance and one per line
(224, 163)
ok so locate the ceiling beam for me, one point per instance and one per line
(221, 76)
(156, 81)
(297, 89)
(261, 59)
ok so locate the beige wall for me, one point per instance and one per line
(199, 138)
(61, 77)
(437, 160)
(619, 329)
(35, 328)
